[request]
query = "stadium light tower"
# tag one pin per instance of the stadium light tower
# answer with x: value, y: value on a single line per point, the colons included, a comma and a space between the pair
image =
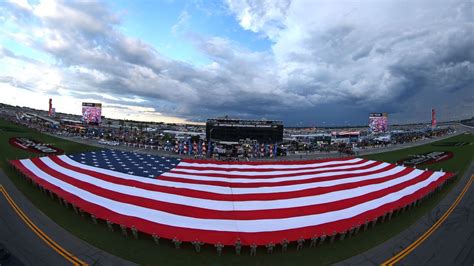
x: 50, y: 110
x: 433, y: 118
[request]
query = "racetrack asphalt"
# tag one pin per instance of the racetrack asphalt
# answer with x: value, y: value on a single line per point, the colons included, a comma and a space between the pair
x: 451, y: 244
x: 28, y: 248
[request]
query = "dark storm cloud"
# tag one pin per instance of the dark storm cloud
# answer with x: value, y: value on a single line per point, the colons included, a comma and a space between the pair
x: 404, y: 71
x: 341, y: 68
x: 83, y: 38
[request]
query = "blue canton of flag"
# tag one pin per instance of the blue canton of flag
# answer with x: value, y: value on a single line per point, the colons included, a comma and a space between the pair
x: 145, y: 165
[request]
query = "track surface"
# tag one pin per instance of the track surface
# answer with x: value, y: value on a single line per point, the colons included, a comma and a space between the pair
x: 451, y: 244
x: 29, y: 249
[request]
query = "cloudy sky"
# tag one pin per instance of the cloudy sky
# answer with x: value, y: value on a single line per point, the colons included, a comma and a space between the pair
x: 307, y: 62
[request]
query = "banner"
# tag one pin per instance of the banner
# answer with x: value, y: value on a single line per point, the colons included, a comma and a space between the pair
x: 34, y: 146
x: 427, y: 158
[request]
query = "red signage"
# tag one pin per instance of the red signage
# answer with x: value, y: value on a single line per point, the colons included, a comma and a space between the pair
x: 34, y: 146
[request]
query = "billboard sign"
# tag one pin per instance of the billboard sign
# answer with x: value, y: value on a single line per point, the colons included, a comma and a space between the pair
x: 92, y: 113
x: 378, y: 122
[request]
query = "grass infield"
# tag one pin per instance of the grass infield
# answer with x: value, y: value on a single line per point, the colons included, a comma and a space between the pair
x: 145, y: 251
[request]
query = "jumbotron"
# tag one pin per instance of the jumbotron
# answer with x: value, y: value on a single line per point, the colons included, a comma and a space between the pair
x: 235, y: 130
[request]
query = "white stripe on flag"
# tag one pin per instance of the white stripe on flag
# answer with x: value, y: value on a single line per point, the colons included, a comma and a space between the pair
x: 261, y: 225
x: 275, y: 179
x: 252, y: 190
x: 275, y: 172
x: 296, y: 165
x: 233, y: 205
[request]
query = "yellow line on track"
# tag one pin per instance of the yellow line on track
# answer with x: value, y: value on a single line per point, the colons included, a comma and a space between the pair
x: 402, y: 254
x: 70, y: 257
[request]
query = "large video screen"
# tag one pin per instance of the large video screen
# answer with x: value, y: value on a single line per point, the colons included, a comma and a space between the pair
x: 378, y: 122
x: 92, y: 113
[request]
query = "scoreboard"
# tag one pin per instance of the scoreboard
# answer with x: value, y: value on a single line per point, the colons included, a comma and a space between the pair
x: 378, y: 122
x: 92, y: 113
x: 263, y: 131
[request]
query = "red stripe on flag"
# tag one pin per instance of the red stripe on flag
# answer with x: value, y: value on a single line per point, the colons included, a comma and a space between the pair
x: 191, y: 211
x: 327, y: 169
x: 229, y: 238
x: 253, y: 169
x: 273, y: 184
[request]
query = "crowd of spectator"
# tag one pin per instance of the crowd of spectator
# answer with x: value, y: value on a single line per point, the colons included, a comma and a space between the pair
x: 195, y: 146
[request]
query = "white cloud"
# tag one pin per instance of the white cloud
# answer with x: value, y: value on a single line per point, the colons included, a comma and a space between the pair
x: 182, y: 24
x: 333, y: 51
x: 328, y: 59
x: 22, y: 4
x: 266, y: 16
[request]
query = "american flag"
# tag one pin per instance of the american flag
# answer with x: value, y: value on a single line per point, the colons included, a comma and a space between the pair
x: 213, y: 201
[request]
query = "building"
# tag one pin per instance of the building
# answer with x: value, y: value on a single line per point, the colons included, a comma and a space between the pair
x: 345, y: 136
x: 235, y: 130
x: 47, y: 121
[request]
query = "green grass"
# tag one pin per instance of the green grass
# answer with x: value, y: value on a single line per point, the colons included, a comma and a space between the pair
x: 144, y: 251
x: 463, y: 155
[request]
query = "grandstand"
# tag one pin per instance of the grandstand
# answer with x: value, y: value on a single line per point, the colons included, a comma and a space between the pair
x: 217, y: 204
